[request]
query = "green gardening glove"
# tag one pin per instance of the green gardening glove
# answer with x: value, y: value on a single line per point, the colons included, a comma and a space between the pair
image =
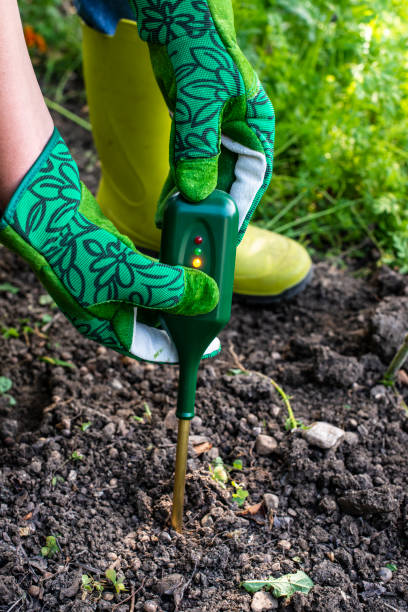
x: 216, y: 99
x: 94, y: 273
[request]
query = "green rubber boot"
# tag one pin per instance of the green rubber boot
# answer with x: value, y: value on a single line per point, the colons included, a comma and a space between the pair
x: 131, y: 128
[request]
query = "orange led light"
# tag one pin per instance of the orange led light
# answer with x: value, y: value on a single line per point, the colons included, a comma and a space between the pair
x: 197, y: 262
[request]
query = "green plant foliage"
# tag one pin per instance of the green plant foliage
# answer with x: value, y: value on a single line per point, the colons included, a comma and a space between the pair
x: 218, y: 471
x: 57, y: 362
x: 115, y: 580
x: 5, y: 384
x: 89, y: 585
x: 8, y: 287
x: 76, y: 456
x: 51, y: 547
x: 284, y: 586
x: 337, y: 76
x: 240, y: 494
x: 57, y: 479
x: 45, y: 299
x: 9, y: 332
x: 57, y: 23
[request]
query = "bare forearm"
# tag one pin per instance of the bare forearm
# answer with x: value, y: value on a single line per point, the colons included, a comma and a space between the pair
x: 25, y: 123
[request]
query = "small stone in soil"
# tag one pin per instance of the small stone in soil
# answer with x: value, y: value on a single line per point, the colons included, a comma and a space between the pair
x: 351, y: 438
x: 168, y: 584
x: 271, y: 501
x: 378, y: 393
x: 384, y: 574
x: 261, y: 602
x: 8, y: 428
x: 284, y: 544
x: 165, y: 537
x: 323, y: 435
x: 150, y: 606
x: 34, y: 590
x: 195, y: 439
x: 265, y: 445
x: 378, y: 500
x: 109, y: 430
x: 213, y: 453
x: 170, y: 420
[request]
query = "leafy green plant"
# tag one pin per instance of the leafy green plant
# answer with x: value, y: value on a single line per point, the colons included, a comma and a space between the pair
x: 9, y: 332
x: 391, y: 566
x: 341, y: 161
x: 76, y: 456
x: 147, y: 412
x: 89, y: 585
x: 51, y: 547
x: 147, y: 415
x: 240, y: 493
x: 291, y: 422
x: 46, y: 318
x: 115, y: 580
x: 8, y: 287
x: 220, y: 473
x: 56, y: 479
x: 57, y: 362
x: 285, y: 586
x: 46, y: 300
x: 85, y: 426
x: 396, y: 364
x: 5, y: 385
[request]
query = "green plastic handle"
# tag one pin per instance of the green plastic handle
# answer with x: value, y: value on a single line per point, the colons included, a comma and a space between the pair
x: 205, y: 231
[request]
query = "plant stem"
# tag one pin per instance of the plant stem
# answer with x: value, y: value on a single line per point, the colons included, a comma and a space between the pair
x: 83, y: 123
x: 396, y: 363
x: 292, y: 421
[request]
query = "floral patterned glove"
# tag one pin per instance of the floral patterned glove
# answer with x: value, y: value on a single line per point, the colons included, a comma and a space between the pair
x: 215, y: 96
x: 94, y: 273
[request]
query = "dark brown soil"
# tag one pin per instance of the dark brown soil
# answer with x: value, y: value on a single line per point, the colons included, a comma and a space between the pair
x: 342, y: 513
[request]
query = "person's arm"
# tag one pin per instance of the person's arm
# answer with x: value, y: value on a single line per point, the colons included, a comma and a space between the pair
x: 95, y: 274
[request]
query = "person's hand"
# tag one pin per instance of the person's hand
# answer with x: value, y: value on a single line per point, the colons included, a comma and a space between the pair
x: 105, y: 287
x: 215, y: 96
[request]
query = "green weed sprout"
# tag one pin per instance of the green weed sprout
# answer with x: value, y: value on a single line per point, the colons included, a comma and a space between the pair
x: 240, y: 494
x: 147, y: 415
x: 396, y: 364
x: 89, y: 585
x: 5, y: 385
x: 291, y: 422
x: 220, y: 473
x: 51, y: 547
x: 76, y: 456
x: 284, y: 586
x: 117, y: 582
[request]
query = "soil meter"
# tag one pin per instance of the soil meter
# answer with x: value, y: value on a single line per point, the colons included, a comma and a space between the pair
x: 202, y: 235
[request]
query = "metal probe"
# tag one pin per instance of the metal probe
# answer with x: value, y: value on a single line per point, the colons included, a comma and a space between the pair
x: 180, y: 475
x: 202, y: 236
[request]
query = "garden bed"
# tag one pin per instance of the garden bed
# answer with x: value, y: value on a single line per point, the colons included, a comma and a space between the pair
x: 76, y: 464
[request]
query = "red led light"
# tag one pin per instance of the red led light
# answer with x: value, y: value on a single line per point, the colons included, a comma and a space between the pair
x: 198, y: 239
